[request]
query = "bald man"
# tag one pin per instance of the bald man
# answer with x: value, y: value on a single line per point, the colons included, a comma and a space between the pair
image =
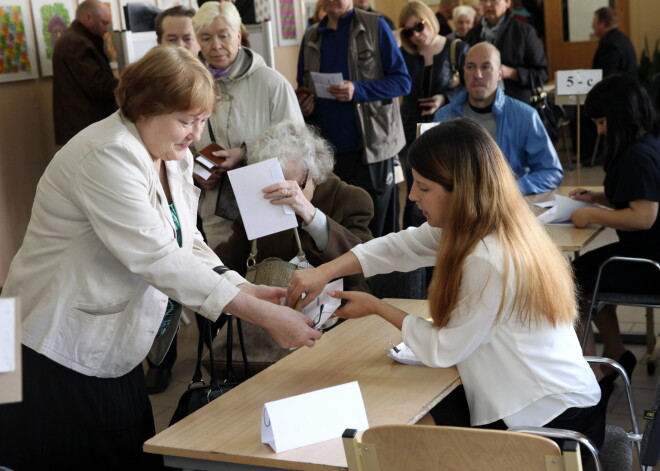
x: 515, y: 126
x: 83, y: 82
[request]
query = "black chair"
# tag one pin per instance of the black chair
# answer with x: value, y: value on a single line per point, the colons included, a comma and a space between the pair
x: 648, y: 301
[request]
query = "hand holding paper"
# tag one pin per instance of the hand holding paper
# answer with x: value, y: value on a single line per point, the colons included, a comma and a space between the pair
x: 560, y: 214
x: 323, y: 81
x: 324, y: 305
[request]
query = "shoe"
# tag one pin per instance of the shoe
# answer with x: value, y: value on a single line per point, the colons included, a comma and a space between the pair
x: 157, y: 380
x: 628, y: 361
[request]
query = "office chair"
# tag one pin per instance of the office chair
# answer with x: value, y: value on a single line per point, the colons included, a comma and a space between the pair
x: 429, y: 447
x: 649, y: 301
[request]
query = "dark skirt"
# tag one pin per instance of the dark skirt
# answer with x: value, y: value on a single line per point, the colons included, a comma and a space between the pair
x: 617, y: 276
x: 71, y: 421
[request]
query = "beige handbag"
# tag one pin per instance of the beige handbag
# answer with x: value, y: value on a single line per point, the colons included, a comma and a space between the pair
x: 272, y: 271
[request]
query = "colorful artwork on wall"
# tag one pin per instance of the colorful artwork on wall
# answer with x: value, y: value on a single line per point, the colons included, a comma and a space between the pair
x: 17, y: 48
x: 51, y: 18
x: 288, y: 15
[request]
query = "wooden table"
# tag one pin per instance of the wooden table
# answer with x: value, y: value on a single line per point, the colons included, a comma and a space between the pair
x: 567, y: 238
x: 226, y: 434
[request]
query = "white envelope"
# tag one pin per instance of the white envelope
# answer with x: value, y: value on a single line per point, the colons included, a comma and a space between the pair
x: 260, y: 217
x: 313, y: 417
x: 324, y: 305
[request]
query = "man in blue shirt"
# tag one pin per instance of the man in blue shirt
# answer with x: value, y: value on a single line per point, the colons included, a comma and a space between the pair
x: 362, y: 120
x: 515, y: 126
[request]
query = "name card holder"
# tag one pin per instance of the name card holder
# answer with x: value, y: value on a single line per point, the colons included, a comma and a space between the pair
x: 313, y: 417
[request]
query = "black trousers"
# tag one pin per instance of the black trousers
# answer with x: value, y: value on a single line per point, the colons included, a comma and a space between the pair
x: 378, y: 180
x: 453, y: 411
x: 71, y: 421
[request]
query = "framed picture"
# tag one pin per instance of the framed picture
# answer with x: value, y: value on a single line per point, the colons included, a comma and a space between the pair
x: 51, y: 19
x: 18, y: 58
x: 115, y: 25
x: 263, y: 10
x: 288, y: 22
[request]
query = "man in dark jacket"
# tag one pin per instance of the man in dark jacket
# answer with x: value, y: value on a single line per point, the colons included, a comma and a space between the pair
x: 83, y: 82
x: 615, y: 53
x: 523, y: 58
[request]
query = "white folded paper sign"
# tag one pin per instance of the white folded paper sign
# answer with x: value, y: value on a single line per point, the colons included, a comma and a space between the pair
x: 260, y: 217
x: 313, y: 417
x: 560, y: 214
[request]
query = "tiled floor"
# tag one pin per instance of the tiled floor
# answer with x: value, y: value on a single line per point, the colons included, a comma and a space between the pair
x: 632, y: 320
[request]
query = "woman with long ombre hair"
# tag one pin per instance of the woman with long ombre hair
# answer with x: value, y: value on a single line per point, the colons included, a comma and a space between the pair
x: 502, y: 298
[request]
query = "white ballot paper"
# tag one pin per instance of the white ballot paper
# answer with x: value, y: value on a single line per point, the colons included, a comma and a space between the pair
x: 403, y: 354
x: 324, y: 305
x: 313, y: 417
x: 560, y: 214
x: 323, y: 81
x: 260, y: 217
x: 7, y: 335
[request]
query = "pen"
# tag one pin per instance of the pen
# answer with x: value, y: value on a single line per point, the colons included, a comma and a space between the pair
x: 583, y: 192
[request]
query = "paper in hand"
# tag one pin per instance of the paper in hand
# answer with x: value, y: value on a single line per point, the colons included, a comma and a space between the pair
x: 324, y: 305
x: 560, y: 214
x: 260, y: 217
x: 323, y: 81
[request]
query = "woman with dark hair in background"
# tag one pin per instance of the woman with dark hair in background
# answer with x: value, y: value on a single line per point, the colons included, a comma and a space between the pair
x: 624, y: 114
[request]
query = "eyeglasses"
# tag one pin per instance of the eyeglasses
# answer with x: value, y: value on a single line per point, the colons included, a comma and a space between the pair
x: 408, y: 32
x: 304, y: 181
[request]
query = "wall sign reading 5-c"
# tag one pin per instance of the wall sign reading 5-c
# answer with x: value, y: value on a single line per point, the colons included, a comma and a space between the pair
x: 577, y: 82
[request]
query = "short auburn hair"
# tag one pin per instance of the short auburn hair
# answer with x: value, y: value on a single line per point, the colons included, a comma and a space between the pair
x: 165, y: 80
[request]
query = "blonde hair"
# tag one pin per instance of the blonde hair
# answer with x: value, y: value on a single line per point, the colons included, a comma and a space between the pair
x: 165, y: 80
x: 424, y: 13
x: 485, y: 200
x: 209, y: 11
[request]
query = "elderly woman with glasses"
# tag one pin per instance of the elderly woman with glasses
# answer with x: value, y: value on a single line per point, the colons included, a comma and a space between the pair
x: 428, y: 57
x: 252, y: 98
x: 111, y: 254
x: 333, y: 216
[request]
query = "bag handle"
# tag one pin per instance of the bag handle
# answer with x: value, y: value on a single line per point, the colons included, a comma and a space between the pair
x: 252, y: 258
x: 452, y: 54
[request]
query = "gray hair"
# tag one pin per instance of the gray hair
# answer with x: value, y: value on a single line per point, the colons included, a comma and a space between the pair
x: 464, y: 10
x: 294, y: 145
x: 209, y: 11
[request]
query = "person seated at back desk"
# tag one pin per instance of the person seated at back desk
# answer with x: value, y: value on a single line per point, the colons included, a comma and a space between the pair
x: 334, y: 216
x: 515, y: 126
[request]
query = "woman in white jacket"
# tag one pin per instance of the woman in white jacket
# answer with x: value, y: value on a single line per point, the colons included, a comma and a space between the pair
x: 502, y: 296
x: 111, y: 248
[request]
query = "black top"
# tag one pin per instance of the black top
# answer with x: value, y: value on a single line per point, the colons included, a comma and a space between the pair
x: 615, y: 53
x: 636, y: 175
x: 445, y: 29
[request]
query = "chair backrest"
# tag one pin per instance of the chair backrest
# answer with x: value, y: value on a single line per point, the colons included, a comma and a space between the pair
x: 424, y: 447
x: 651, y: 439
x: 404, y: 285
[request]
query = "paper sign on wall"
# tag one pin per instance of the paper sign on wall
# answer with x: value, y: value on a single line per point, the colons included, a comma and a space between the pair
x: 7, y: 335
x: 313, y: 417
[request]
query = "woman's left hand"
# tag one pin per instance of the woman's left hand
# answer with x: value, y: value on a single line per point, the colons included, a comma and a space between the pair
x: 231, y: 158
x: 272, y: 294
x: 289, y: 192
x: 359, y: 304
x: 582, y: 217
x: 431, y: 104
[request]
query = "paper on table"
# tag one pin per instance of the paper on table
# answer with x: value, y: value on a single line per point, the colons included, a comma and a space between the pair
x: 323, y: 81
x: 561, y: 213
x: 313, y: 417
x: 404, y: 355
x: 7, y: 335
x: 324, y: 305
x: 260, y: 217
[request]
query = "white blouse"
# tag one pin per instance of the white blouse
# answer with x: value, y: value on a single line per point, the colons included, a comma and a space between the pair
x: 525, y: 375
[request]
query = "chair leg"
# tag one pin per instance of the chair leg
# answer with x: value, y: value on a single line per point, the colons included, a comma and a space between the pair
x: 651, y: 342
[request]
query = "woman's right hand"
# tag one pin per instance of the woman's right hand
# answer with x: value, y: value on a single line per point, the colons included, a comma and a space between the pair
x: 305, y: 100
x: 581, y: 194
x: 291, y: 328
x: 310, y: 282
